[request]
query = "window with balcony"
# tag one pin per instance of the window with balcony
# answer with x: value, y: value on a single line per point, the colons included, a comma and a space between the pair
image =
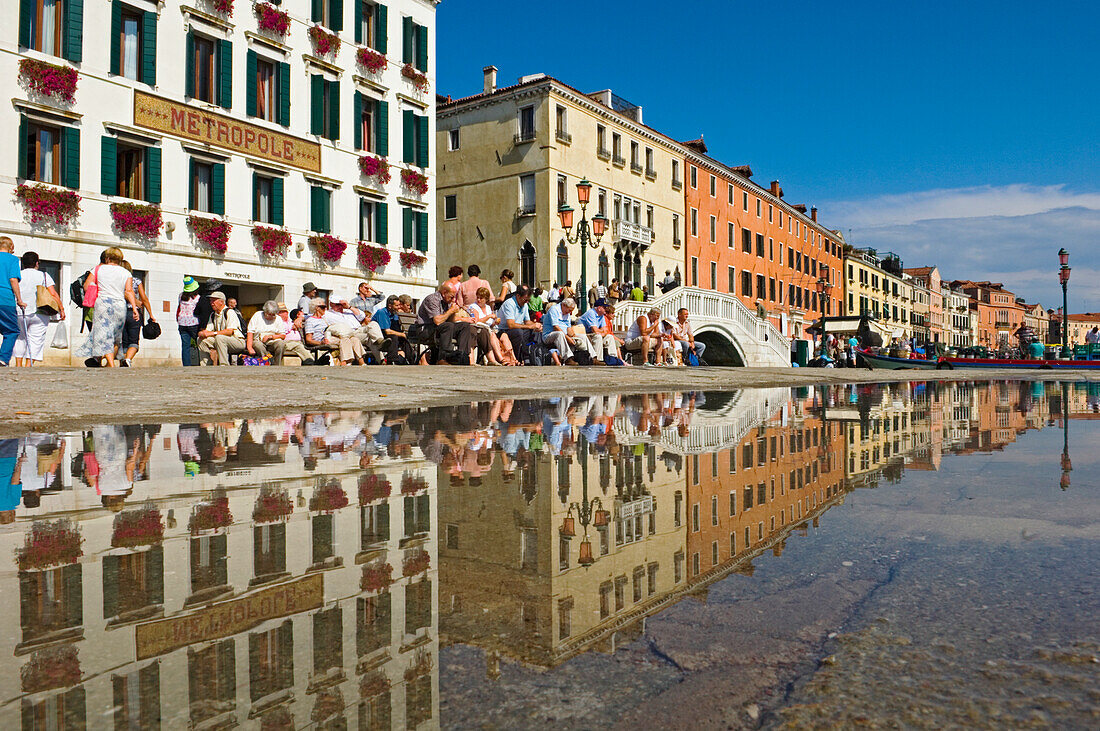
x: 650, y: 171
x: 526, y: 121
x: 635, y: 163
x: 676, y: 182
x: 601, y: 143
x: 617, y: 149
x: 527, y: 195
x: 561, y: 125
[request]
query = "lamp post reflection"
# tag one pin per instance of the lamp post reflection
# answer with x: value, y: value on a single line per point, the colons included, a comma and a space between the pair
x: 1067, y: 465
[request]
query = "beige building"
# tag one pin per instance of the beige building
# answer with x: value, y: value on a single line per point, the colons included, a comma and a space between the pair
x: 1080, y: 325
x: 874, y: 284
x: 510, y: 157
x: 1038, y: 319
x: 960, y: 321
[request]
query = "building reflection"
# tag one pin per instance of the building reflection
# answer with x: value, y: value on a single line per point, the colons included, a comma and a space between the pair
x: 304, y: 570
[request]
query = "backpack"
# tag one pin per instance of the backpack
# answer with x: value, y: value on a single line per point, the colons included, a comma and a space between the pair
x: 692, y: 359
x: 582, y: 358
x: 612, y: 360
x: 535, y: 354
x: 76, y: 289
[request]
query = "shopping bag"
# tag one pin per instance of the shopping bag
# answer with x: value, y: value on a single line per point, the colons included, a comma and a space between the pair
x: 60, y: 337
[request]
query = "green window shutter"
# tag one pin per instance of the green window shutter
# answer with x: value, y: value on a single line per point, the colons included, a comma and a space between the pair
x: 357, y: 19
x: 116, y: 40
x: 154, y: 574
x: 334, y: 110
x: 381, y: 223
x: 336, y: 9
x: 26, y: 11
x: 422, y: 142
x: 149, y: 49
x: 217, y: 189
x: 422, y: 231
x: 284, y: 94
x: 71, y: 575
x: 189, y: 65
x: 152, y: 174
x: 317, y: 16
x: 24, y: 132
x: 406, y: 227
x: 250, y: 83
x: 422, y: 48
x: 408, y: 133
x: 318, y: 212
x: 225, y: 74
x: 381, y: 29
x: 326, y: 210
x: 110, y: 586
x: 74, y: 30
x: 191, y: 183
x: 407, y: 40
x: 382, y: 128
x: 255, y: 197
x: 108, y: 166
x: 357, y: 116
x: 70, y: 157
x: 317, y: 104
x: 277, y: 201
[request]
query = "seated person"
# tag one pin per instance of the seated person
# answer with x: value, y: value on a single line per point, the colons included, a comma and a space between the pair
x: 267, y: 336
x: 556, y: 333
x: 385, y: 329
x: 515, y: 319
x: 336, y: 335
x: 444, y: 326
x: 483, y: 317
x: 645, y: 335
x: 222, y: 335
x: 684, y: 336
x: 339, y: 312
x: 597, y: 323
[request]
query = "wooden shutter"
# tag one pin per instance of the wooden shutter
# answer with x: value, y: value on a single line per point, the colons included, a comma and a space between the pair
x: 316, y: 216
x: 191, y: 183
x: 382, y: 128
x: 152, y: 174
x: 333, y: 110
x: 116, y: 37
x: 24, y: 132
x: 381, y: 224
x: 284, y: 94
x: 407, y: 40
x: 70, y: 157
x: 74, y: 30
x: 406, y: 227
x: 336, y: 11
x: 277, y: 201
x: 255, y: 196
x: 409, y: 514
x: 408, y: 132
x: 110, y: 586
x: 422, y: 48
x: 357, y: 116
x: 71, y: 576
x: 154, y: 574
x: 217, y: 189
x: 422, y: 231
x: 108, y: 166
x: 189, y: 65
x: 422, y: 142
x: 149, y: 48
x: 26, y: 11
x: 381, y: 29
x: 357, y: 20
x: 226, y: 682
x: 250, y: 83
x: 318, y: 9
x: 225, y: 74
x: 317, y: 104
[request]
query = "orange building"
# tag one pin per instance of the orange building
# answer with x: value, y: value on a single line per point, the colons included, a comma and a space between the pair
x: 746, y: 240
x: 929, y: 278
x: 999, y: 312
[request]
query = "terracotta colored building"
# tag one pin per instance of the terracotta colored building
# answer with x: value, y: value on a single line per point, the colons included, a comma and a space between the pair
x: 999, y: 313
x: 929, y: 277
x: 744, y: 239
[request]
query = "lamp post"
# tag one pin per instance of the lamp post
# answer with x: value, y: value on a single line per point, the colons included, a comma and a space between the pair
x: 588, y: 234
x: 1067, y: 465
x: 1063, y: 278
x: 824, y: 287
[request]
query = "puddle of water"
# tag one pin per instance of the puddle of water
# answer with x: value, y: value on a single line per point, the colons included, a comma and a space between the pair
x: 919, y: 554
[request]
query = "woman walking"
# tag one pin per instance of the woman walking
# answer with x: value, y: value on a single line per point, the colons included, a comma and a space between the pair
x: 115, y: 288
x: 187, y: 318
x: 131, y: 331
x: 31, y: 345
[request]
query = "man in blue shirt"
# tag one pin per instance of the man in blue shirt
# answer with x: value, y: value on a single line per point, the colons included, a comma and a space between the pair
x: 11, y: 484
x: 555, y: 330
x: 598, y: 326
x: 515, y: 321
x: 11, y: 303
x: 386, y: 324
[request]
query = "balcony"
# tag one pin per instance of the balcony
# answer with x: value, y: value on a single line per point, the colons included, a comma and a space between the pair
x: 563, y: 137
x: 623, y: 230
x: 525, y: 210
x: 635, y: 168
x: 524, y: 137
x: 618, y: 161
x: 677, y: 184
x: 651, y: 173
x: 603, y: 153
x: 1001, y: 324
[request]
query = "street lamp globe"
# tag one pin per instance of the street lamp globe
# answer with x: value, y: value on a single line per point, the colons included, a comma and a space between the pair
x: 584, y: 191
x: 599, y: 225
x: 566, y: 213
x: 1063, y: 257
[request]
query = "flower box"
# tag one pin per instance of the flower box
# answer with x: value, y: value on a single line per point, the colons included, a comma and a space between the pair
x: 212, y: 233
x: 415, y: 181
x: 137, y: 218
x: 373, y: 487
x: 324, y: 43
x: 135, y: 528
x: 210, y: 516
x: 375, y: 167
x: 328, y: 703
x: 372, y: 258
x: 54, y: 667
x: 372, y: 61
x: 420, y: 666
x: 417, y: 563
x: 272, y: 20
x: 272, y: 241
x: 50, y: 543
x: 328, y: 498
x: 50, y: 205
x: 49, y: 79
x: 272, y: 504
x: 418, y: 79
x: 411, y: 260
x: 225, y: 7
x: 373, y: 684
x: 328, y: 248
x: 376, y: 576
x: 278, y: 718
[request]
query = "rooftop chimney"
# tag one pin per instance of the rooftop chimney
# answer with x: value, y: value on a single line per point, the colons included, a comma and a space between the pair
x: 490, y: 79
x: 813, y: 213
x: 776, y: 190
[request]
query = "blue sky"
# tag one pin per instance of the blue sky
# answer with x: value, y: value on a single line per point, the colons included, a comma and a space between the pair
x: 962, y: 134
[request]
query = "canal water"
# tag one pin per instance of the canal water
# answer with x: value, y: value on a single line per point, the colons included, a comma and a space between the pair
x: 916, y: 555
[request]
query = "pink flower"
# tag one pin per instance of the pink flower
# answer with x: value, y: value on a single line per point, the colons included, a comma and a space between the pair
x: 137, y: 218
x: 48, y: 79
x: 329, y: 248
x: 414, y: 181
x: 410, y: 260
x: 272, y: 241
x: 225, y: 7
x: 271, y: 19
x: 211, y: 232
x: 419, y: 80
x: 372, y: 258
x: 324, y: 43
x: 43, y: 203
x: 375, y: 167
x: 371, y: 60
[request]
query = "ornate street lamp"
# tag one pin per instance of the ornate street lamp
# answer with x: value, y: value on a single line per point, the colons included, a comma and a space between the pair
x: 588, y: 234
x: 824, y: 287
x: 1067, y: 464
x: 1063, y: 278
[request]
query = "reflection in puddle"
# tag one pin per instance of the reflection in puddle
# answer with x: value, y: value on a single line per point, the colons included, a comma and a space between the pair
x: 305, y: 570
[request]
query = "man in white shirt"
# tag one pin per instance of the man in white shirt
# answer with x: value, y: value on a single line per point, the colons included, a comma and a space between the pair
x: 267, y: 336
x: 222, y: 334
x: 684, y: 336
x: 338, y: 311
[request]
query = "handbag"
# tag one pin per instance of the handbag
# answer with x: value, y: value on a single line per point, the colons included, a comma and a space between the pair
x: 45, y: 301
x: 692, y: 359
x: 150, y: 330
x: 91, y: 291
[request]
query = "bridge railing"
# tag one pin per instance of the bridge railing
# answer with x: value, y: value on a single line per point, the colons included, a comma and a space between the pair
x: 706, y: 306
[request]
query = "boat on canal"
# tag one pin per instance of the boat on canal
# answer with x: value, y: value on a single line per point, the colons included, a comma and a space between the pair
x: 889, y: 363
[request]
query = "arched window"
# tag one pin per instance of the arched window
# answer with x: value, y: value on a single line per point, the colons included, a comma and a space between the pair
x: 563, y: 263
x: 636, y: 276
x: 527, y: 264
x: 618, y: 264
x: 650, y: 278
x: 603, y: 273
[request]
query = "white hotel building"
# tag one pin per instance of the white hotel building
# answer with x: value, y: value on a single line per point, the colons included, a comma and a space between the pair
x: 197, y: 110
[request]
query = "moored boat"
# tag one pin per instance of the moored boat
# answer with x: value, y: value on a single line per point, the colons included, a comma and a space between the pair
x: 1019, y: 364
x: 888, y: 363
